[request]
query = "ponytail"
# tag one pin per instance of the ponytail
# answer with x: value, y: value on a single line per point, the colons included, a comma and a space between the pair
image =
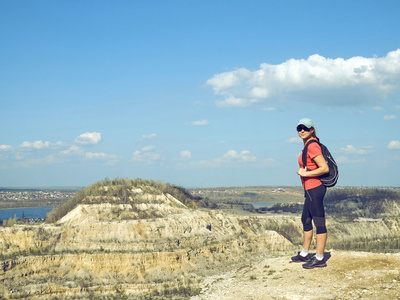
x: 314, y: 134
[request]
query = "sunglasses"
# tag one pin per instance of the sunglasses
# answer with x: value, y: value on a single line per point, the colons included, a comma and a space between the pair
x: 302, y: 127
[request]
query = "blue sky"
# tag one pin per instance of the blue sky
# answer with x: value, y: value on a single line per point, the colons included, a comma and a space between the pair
x: 197, y: 93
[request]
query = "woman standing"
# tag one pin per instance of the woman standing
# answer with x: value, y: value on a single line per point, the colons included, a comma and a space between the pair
x: 314, y: 191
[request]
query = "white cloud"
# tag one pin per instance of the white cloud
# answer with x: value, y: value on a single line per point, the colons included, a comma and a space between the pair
x: 149, y: 136
x: 36, y: 145
x: 394, y: 145
x: 139, y: 156
x: 244, y: 155
x: 148, y: 148
x: 389, y: 117
x: 200, y: 123
x: 73, y: 150
x: 231, y: 154
x: 346, y: 160
x: 236, y: 102
x: 111, y: 159
x: 234, y: 158
x: 317, y: 79
x: 89, y: 138
x: 98, y: 155
x: 5, y: 147
x: 349, y: 149
x: 48, y: 160
x: 378, y: 108
x: 186, y: 154
x: 294, y: 140
x: 269, y: 108
x: 30, y: 154
x: 146, y: 155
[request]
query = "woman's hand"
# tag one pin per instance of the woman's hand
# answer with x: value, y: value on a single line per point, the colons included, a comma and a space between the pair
x: 302, y: 172
x: 322, y: 168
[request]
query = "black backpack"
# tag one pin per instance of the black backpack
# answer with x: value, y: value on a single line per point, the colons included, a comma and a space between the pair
x: 329, y: 179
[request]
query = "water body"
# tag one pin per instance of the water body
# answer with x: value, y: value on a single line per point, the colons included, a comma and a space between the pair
x: 261, y: 204
x: 29, y: 213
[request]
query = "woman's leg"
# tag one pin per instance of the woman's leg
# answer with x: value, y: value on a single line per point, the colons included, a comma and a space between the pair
x: 307, y: 238
x: 321, y: 242
x: 318, y: 214
x: 306, y: 219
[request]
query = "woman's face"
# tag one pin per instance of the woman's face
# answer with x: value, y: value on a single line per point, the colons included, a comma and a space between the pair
x: 304, y: 132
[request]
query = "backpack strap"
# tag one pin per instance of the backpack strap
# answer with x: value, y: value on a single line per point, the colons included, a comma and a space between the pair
x: 304, y: 153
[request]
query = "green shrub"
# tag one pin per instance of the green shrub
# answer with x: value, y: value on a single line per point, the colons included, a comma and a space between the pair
x: 10, y: 222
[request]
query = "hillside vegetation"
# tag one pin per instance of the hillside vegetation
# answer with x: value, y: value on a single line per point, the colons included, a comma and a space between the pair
x: 369, y: 202
x: 348, y: 210
x: 121, y: 191
x: 351, y: 202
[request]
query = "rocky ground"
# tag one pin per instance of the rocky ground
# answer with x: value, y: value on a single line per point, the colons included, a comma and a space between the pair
x: 136, y: 240
x: 349, y: 275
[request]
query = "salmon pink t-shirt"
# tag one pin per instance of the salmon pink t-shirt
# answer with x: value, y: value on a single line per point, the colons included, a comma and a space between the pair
x: 313, y: 151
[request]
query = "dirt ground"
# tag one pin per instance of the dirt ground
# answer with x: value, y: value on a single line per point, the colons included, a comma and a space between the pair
x: 349, y: 275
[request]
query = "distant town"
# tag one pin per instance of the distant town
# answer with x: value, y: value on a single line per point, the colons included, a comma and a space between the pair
x: 32, y: 198
x: 19, y: 198
x: 33, y: 195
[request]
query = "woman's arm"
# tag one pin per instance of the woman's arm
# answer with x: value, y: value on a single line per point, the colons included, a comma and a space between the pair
x: 321, y: 170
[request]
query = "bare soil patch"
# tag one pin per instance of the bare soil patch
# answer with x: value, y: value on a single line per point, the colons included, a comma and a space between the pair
x: 349, y: 275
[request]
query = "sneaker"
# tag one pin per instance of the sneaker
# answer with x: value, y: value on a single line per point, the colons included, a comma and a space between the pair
x: 314, y: 263
x: 299, y: 258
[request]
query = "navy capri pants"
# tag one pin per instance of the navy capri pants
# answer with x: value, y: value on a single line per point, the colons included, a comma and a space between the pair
x: 313, y: 209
